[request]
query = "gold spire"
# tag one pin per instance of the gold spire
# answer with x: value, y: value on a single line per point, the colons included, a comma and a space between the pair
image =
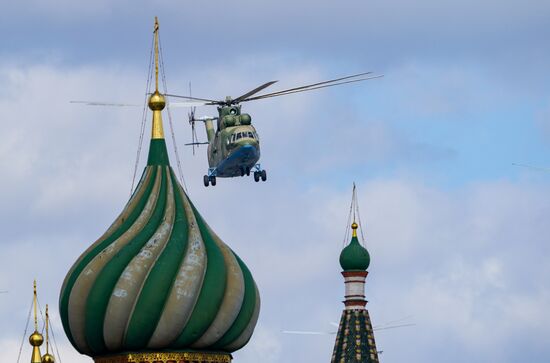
x: 354, y: 229
x: 156, y: 32
x: 36, y: 338
x: 354, y: 207
x: 34, y: 298
x: 157, y: 101
x: 48, y: 358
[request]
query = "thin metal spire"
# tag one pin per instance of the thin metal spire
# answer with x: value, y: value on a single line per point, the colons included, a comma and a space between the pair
x: 156, y: 32
x: 34, y: 307
x: 47, y: 331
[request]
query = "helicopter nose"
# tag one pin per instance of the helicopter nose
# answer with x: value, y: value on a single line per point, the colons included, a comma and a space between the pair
x: 248, y: 151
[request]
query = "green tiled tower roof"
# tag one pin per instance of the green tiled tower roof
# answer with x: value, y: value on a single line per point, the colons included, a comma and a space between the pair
x: 159, y: 280
x: 355, y: 339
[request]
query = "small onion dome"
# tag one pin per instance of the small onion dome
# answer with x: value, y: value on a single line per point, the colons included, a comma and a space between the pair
x: 157, y: 102
x: 48, y: 358
x: 354, y: 256
x: 36, y: 339
x: 159, y: 279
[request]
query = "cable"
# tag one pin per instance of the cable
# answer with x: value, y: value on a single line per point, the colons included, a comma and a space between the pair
x: 163, y: 75
x: 360, y: 225
x: 42, y: 316
x: 143, y: 116
x: 51, y: 328
x: 55, y: 343
x: 348, y: 224
x: 354, y: 209
x: 25, y: 333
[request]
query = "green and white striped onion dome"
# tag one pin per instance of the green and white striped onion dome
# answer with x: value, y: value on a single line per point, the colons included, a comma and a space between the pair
x: 159, y: 279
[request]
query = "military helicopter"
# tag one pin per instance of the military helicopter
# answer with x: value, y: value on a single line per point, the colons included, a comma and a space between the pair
x: 234, y: 144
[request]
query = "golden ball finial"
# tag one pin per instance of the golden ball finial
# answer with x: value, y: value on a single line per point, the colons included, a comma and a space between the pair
x: 354, y: 225
x: 157, y: 102
x: 48, y: 358
x: 36, y: 339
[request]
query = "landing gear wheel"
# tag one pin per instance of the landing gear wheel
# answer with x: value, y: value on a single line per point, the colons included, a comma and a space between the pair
x: 256, y: 176
x: 247, y: 171
x: 242, y: 172
x: 213, y: 181
x: 206, y: 180
x: 263, y: 174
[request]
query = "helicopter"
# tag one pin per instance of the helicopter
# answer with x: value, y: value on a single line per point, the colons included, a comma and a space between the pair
x: 234, y: 144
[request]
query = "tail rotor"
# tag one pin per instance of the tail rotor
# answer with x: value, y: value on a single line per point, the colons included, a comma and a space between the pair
x: 191, y: 115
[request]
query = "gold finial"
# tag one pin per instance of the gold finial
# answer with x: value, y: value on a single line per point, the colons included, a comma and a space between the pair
x: 48, y: 358
x: 47, y: 330
x: 157, y: 101
x: 36, y: 338
x: 34, y: 305
x: 354, y: 227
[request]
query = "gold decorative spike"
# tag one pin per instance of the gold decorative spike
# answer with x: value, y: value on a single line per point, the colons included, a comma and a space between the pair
x: 34, y: 305
x: 157, y: 101
x: 47, y: 330
x: 48, y: 358
x: 156, y: 32
x: 36, y: 338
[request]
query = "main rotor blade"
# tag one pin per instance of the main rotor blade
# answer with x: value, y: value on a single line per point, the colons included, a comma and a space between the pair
x: 307, y: 332
x: 314, y: 85
x: 531, y: 167
x: 253, y: 92
x: 212, y: 102
x: 187, y: 104
x: 93, y: 103
x: 276, y: 94
x: 393, y: 326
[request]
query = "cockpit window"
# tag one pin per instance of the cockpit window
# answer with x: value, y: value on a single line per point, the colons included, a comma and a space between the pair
x: 242, y: 135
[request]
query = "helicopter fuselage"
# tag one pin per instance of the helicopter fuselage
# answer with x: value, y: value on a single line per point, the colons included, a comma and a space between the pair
x: 234, y: 146
x: 233, y: 151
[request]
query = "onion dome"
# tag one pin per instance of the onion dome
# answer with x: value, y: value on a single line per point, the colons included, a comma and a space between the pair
x: 354, y: 256
x: 159, y: 279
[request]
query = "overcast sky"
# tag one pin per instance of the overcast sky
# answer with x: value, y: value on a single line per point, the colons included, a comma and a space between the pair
x: 458, y: 235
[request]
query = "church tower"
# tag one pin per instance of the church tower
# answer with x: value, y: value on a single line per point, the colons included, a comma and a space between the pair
x: 355, y: 338
x: 159, y: 286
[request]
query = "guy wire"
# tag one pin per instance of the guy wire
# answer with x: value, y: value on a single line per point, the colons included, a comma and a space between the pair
x: 143, y: 116
x: 163, y: 74
x: 25, y: 332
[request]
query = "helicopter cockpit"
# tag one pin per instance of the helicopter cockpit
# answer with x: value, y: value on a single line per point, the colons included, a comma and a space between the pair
x: 242, y: 135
